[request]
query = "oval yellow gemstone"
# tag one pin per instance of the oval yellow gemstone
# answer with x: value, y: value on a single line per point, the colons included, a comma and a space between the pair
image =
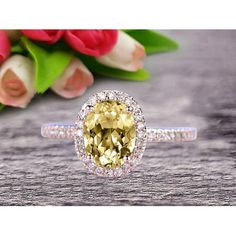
x: 109, y: 133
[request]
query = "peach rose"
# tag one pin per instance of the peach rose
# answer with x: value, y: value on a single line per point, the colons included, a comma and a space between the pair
x: 127, y: 54
x: 16, y: 81
x: 74, y: 81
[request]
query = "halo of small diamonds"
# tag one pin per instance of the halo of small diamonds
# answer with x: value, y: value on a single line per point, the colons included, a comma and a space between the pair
x: 140, y: 143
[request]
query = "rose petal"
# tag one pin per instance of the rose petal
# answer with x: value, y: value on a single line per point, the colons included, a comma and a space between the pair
x: 49, y: 36
x: 74, y: 81
x: 91, y: 42
x: 5, y: 46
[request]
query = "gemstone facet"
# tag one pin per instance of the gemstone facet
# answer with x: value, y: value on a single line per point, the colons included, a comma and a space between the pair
x: 109, y: 133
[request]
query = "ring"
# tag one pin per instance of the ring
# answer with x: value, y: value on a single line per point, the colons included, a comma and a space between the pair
x: 110, y: 133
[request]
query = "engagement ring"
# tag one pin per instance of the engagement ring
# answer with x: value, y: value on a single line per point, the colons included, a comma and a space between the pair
x: 110, y: 133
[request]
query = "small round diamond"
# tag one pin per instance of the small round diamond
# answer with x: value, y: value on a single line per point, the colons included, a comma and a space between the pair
x: 92, y: 101
x: 79, y: 132
x: 110, y: 173
x: 79, y: 124
x: 110, y: 95
x: 117, y: 172
x: 91, y: 166
x: 99, y: 171
x: 101, y: 96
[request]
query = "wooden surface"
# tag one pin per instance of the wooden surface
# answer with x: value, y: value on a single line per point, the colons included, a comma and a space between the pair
x: 195, y: 85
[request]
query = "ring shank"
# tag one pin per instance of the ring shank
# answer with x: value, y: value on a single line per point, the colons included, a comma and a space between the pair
x: 175, y: 134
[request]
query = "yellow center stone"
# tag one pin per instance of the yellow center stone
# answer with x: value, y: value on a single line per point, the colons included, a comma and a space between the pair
x: 109, y: 133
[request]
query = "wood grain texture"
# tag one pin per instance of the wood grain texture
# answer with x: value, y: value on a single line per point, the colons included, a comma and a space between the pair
x: 195, y: 86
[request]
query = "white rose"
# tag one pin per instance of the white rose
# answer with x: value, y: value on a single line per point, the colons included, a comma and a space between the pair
x: 74, y: 81
x: 16, y: 81
x: 127, y: 54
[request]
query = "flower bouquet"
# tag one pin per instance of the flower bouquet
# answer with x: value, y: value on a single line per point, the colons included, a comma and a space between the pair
x: 65, y: 61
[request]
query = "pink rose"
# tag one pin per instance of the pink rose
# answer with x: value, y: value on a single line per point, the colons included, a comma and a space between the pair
x: 5, y: 46
x: 74, y: 81
x: 127, y: 54
x: 16, y: 81
x: 48, y: 36
x: 91, y: 42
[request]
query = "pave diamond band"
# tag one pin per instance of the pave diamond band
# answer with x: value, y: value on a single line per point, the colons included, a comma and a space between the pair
x: 110, y: 133
x: 173, y: 134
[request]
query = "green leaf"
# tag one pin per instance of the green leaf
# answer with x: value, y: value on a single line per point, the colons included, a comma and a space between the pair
x: 17, y: 49
x: 97, y: 68
x: 1, y: 106
x: 152, y: 41
x: 49, y: 65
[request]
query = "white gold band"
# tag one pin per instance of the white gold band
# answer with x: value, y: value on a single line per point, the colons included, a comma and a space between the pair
x: 175, y: 134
